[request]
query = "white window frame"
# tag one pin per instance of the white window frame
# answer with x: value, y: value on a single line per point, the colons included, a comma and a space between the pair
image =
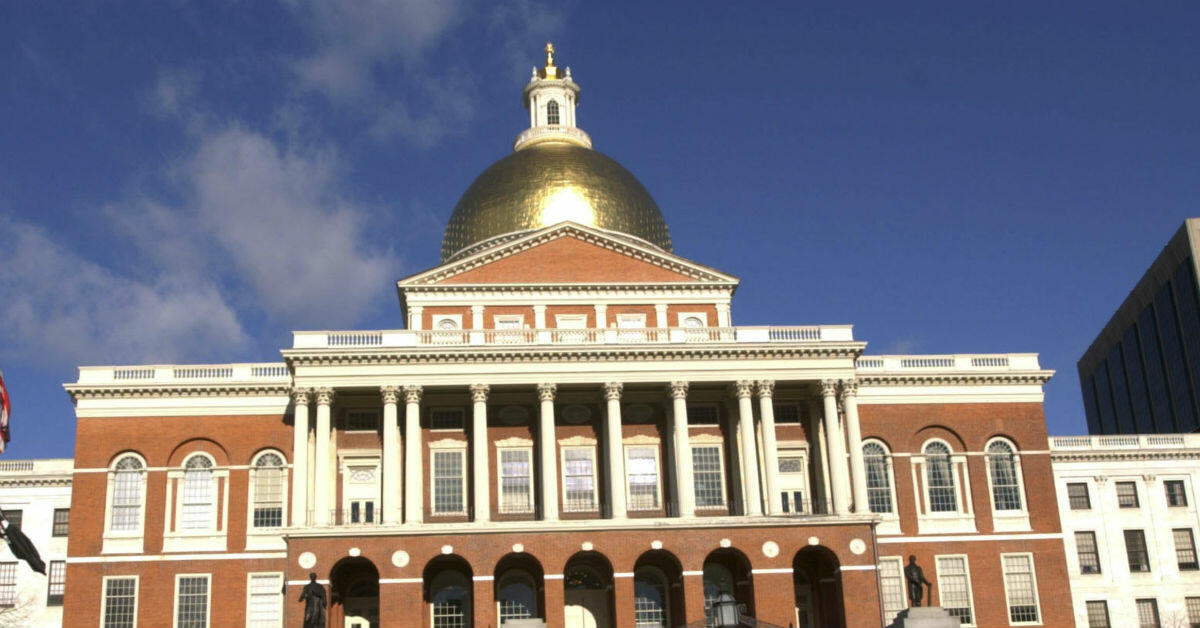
x: 462, y: 418
x: 211, y: 538
x: 1037, y: 599
x: 437, y: 319
x: 104, y: 596
x: 631, y: 444
x: 208, y: 618
x: 637, y: 319
x: 498, y: 319
x: 570, y: 319
x: 250, y: 592
x: 348, y: 460
x: 1007, y: 520
x: 680, y: 317
x: 562, y: 453
x: 719, y: 446
x: 886, y: 563
x: 786, y: 482
x: 890, y: 523
x: 961, y: 520
x: 970, y: 589
x: 124, y: 541
x: 447, y: 446
x: 252, y: 490
x: 528, y: 451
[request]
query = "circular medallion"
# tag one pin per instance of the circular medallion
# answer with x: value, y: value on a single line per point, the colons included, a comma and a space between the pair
x: 858, y: 546
x: 587, y: 546
x: 770, y: 549
x: 726, y: 543
x: 812, y: 540
x: 447, y: 549
x: 655, y: 544
x: 307, y: 560
x: 518, y: 548
x: 400, y: 558
x: 354, y: 551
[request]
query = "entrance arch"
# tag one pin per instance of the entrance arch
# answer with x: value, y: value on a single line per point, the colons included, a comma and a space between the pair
x: 817, y: 582
x: 520, y: 593
x: 588, y: 591
x: 728, y: 571
x: 658, y: 590
x: 354, y: 585
x: 449, y: 592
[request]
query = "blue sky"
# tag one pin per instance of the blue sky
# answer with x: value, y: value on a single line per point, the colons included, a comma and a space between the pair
x: 190, y: 181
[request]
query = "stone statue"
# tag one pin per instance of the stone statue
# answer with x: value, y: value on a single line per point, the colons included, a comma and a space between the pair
x: 915, y: 578
x: 313, y: 596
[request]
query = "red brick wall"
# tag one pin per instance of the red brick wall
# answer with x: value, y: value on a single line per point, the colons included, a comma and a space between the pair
x: 566, y: 260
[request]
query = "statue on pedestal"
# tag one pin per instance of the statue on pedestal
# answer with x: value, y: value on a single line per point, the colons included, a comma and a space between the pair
x: 313, y: 596
x: 915, y: 577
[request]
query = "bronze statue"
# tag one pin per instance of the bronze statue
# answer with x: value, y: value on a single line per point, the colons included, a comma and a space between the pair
x: 915, y: 577
x: 313, y: 596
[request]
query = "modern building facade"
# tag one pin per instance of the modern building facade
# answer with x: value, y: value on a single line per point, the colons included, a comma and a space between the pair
x: 570, y: 427
x: 1130, y: 525
x: 36, y: 496
x: 1141, y: 375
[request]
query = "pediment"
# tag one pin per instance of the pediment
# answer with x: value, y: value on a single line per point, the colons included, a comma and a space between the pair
x: 568, y: 253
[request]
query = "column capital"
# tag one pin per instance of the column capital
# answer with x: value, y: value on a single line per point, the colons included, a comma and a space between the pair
x: 324, y: 396
x: 390, y: 394
x: 766, y: 388
x: 301, y: 396
x: 479, y: 392
x: 547, y: 391
x: 849, y: 389
x: 477, y: 309
x: 829, y: 387
x: 743, y: 389
x: 678, y: 389
x: 412, y: 394
x: 539, y: 307
x: 613, y: 390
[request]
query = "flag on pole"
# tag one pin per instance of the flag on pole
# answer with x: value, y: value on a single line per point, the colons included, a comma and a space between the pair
x: 20, y: 545
x: 4, y: 411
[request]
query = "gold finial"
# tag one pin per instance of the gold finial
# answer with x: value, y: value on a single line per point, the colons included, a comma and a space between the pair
x: 551, y: 71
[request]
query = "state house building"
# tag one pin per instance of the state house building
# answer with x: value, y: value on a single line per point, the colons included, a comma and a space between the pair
x: 569, y: 428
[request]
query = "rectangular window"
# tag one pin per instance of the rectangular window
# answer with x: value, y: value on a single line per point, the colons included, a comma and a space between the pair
x: 191, y: 602
x: 448, y: 482
x: 198, y: 501
x: 892, y: 587
x: 268, y: 496
x: 1089, y: 555
x: 791, y: 464
x: 703, y: 414
x: 579, y: 479
x: 954, y: 585
x: 8, y: 583
x: 708, y: 477
x: 56, y: 578
x: 127, y: 501
x: 516, y: 486
x: 362, y: 420
x: 787, y: 413
x: 1193, y: 611
x: 14, y: 518
x: 1020, y: 588
x: 1127, y: 496
x: 1147, y: 611
x: 62, y: 517
x: 1185, y: 549
x: 1077, y: 496
x: 1097, y: 614
x: 1135, y: 550
x: 446, y: 419
x: 1176, y: 495
x: 641, y: 467
x: 120, y: 602
x: 264, y: 601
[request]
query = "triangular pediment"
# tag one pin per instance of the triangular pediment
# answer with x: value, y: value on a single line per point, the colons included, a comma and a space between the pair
x: 569, y: 253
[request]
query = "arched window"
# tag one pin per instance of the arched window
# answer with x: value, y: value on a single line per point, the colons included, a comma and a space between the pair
x: 516, y: 597
x: 129, y: 476
x: 582, y: 578
x: 717, y: 580
x: 267, y: 488
x: 879, y: 478
x: 198, y: 505
x: 939, y: 477
x: 552, y: 112
x: 1002, y: 471
x: 451, y: 600
x: 649, y: 598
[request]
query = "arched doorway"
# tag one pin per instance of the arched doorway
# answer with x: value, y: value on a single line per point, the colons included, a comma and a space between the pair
x: 818, y: 589
x: 520, y: 593
x: 588, y: 591
x: 728, y: 571
x: 354, y: 584
x: 658, y: 590
x: 448, y: 592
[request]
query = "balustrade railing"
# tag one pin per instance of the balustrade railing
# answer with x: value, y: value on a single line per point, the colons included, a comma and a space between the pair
x: 1125, y: 441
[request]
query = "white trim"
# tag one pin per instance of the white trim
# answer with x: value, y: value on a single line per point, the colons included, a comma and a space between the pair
x: 386, y: 581
x: 483, y: 578
x: 207, y: 598
x: 300, y: 583
x: 459, y: 447
x: 250, y: 578
x: 435, y: 320
x: 953, y: 538
x: 623, y: 574
x: 680, y: 316
x: 857, y: 568
x: 73, y: 560
x: 640, y: 440
x: 104, y: 595
x: 772, y: 570
x: 497, y: 319
x: 690, y: 573
x: 658, y: 478
x: 527, y: 447
x: 1037, y: 599
x: 721, y: 462
x: 562, y: 454
x: 251, y: 491
x: 553, y: 576
x: 966, y: 563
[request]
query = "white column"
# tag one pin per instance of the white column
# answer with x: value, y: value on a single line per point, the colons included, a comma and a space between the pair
x: 601, y: 316
x: 766, y: 413
x: 539, y: 317
x: 479, y: 453
x: 300, y: 477
x: 322, y: 470
x: 391, y: 457
x: 477, y: 317
x: 836, y: 449
x: 723, y: 317
x: 858, y: 467
x: 615, y: 448
x: 413, y: 488
x: 415, y: 316
x: 660, y: 315
x: 548, y: 446
x: 685, y: 487
x: 822, y: 495
x: 753, y: 492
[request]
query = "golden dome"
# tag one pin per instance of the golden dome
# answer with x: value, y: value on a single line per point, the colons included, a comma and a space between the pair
x: 548, y: 183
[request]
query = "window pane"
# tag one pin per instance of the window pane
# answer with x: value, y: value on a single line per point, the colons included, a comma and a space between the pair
x: 1097, y: 612
x: 127, y: 495
x: 1193, y: 611
x: 1127, y: 496
x: 1002, y: 467
x: 649, y: 600
x: 706, y: 474
x: 517, y: 600
x: 268, y: 491
x: 1089, y: 556
x: 552, y: 112
x: 8, y: 583
x: 446, y: 419
x: 642, y: 469
x: 515, y: 484
x: 1176, y: 495
x: 120, y: 598
x: 198, y: 503
x: 1135, y: 550
x: 266, y: 601
x: 1077, y: 495
x: 1020, y: 588
x: 954, y: 586
x: 447, y: 482
x: 579, y: 479
x: 191, y: 598
x: 1185, y: 549
x: 892, y: 587
x: 939, y: 477
x: 57, y: 582
x: 62, y: 517
x: 1147, y: 611
x: 879, y: 483
x: 702, y: 415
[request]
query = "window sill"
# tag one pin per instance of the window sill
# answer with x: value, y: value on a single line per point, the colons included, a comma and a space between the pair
x: 194, y: 542
x: 265, y: 540
x: 942, y: 524
x: 122, y: 545
x: 1015, y: 521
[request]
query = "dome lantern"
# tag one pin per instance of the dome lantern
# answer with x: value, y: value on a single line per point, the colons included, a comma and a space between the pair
x: 551, y: 97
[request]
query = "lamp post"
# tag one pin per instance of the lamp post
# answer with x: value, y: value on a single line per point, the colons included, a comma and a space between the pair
x: 726, y: 611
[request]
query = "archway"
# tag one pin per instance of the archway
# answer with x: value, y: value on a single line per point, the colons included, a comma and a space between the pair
x: 354, y: 585
x: 520, y: 593
x: 588, y: 591
x: 658, y: 590
x: 818, y: 588
x: 448, y: 589
x: 728, y: 571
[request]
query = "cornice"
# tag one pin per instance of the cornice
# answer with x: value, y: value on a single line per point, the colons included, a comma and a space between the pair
x: 943, y: 379
x: 159, y: 391
x: 1100, y: 455
x: 605, y: 287
x: 19, y: 482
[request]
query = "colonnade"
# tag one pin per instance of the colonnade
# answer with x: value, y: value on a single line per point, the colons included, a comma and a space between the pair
x: 404, y: 475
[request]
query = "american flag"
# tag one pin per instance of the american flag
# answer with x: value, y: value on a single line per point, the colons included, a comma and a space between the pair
x: 4, y: 411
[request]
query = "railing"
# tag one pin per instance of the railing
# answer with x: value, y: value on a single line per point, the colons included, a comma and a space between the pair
x: 167, y: 374
x: 16, y: 465
x: 551, y: 130
x: 958, y: 362
x: 1125, y: 441
x: 591, y: 336
x: 44, y: 465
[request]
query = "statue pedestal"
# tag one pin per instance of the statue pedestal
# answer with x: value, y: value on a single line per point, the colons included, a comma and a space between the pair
x: 926, y: 617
